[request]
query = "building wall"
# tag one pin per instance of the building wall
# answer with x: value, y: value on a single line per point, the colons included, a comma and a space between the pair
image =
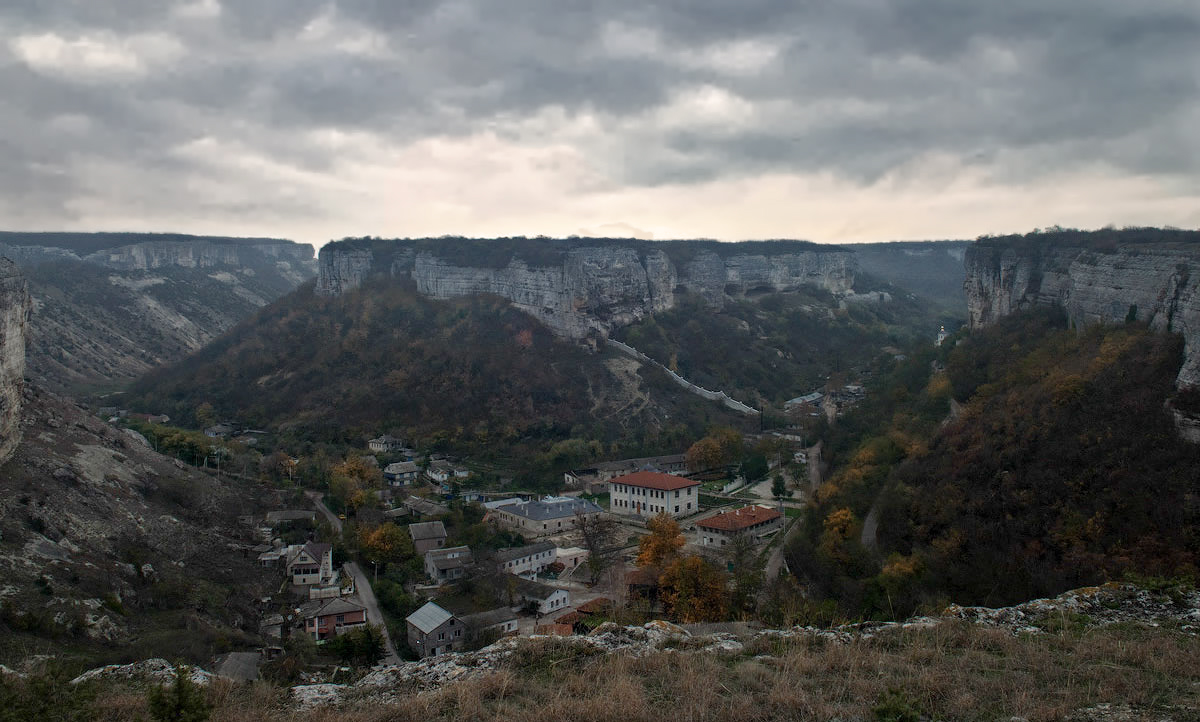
x: 531, y: 564
x: 721, y: 537
x: 643, y: 502
x: 447, y: 637
x: 559, y: 600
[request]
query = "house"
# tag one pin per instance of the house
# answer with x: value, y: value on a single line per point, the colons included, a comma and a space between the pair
x: 218, y: 431
x: 310, y: 564
x: 528, y: 560
x: 427, y: 535
x: 754, y: 521
x: 449, y: 564
x: 571, y: 557
x: 592, y: 479
x: 443, y: 471
x: 542, y: 598
x: 813, y: 398
x: 324, y: 619
x: 287, y: 516
x: 401, y: 473
x: 543, y: 517
x: 421, y: 508
x: 491, y: 624
x: 433, y: 630
x: 649, y: 493
x: 384, y: 444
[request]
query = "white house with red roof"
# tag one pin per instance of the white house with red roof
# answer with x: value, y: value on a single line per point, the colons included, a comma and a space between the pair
x: 649, y: 493
x: 754, y: 521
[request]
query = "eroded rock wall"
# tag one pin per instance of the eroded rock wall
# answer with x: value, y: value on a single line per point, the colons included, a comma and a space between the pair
x: 593, y: 289
x: 1156, y: 285
x: 14, y: 321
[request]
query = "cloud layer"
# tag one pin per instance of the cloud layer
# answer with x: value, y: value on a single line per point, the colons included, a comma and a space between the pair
x: 855, y: 120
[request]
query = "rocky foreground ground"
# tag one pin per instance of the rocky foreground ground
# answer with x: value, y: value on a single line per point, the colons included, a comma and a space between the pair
x: 1176, y: 610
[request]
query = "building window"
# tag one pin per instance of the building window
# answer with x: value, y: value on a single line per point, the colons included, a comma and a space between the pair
x: 441, y: 636
x: 689, y: 505
x: 676, y: 493
x: 676, y: 508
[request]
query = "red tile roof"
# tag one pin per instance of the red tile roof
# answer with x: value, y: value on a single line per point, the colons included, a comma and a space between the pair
x: 654, y: 480
x: 561, y: 630
x: 739, y: 519
x: 599, y: 605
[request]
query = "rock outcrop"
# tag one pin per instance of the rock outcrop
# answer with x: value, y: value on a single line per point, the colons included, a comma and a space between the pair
x: 1091, y: 607
x: 582, y: 290
x: 1158, y: 284
x: 14, y: 320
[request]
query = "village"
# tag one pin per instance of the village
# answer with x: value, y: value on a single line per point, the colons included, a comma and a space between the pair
x: 534, y: 564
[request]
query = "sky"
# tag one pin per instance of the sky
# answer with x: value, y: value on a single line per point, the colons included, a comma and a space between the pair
x: 854, y: 120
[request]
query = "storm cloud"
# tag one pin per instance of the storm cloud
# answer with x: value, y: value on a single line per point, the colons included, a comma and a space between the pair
x: 855, y: 120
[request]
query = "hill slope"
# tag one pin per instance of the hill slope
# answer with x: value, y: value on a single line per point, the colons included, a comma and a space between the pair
x: 109, y: 306
x: 472, y: 372
x: 1063, y: 468
x: 109, y: 550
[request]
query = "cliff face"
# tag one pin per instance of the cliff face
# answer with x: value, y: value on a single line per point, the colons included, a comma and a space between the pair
x: 14, y: 318
x: 590, y: 289
x: 1156, y: 285
x: 108, y: 307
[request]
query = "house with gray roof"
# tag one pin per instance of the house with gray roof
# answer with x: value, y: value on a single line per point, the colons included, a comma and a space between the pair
x: 449, y: 564
x: 401, y: 473
x: 433, y: 630
x: 543, y: 598
x: 528, y: 560
x: 543, y: 517
x: 427, y: 535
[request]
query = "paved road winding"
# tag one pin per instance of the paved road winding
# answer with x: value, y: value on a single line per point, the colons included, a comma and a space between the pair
x: 362, y: 585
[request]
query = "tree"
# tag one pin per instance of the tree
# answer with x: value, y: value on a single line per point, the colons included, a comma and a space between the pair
x: 385, y: 543
x: 755, y: 467
x: 694, y: 591
x: 662, y: 543
x: 205, y: 414
x: 600, y: 539
x: 704, y: 454
x: 746, y: 568
x: 182, y: 701
x: 778, y: 487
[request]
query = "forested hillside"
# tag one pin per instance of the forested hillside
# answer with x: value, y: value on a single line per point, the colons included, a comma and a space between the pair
x: 472, y: 374
x: 1063, y: 468
x: 767, y: 349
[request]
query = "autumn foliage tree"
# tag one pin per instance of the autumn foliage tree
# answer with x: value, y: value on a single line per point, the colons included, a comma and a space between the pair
x: 385, y: 543
x: 352, y: 481
x: 693, y: 590
x: 662, y: 543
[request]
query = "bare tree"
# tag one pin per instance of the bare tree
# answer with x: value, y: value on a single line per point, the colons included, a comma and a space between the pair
x: 600, y: 538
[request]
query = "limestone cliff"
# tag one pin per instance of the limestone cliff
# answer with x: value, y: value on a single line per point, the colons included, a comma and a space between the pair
x: 14, y: 318
x: 1157, y: 283
x: 110, y: 306
x: 579, y: 288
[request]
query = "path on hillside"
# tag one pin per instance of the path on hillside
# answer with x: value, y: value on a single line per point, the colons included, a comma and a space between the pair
x: 362, y: 585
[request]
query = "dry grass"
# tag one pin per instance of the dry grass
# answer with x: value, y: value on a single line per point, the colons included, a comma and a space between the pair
x: 954, y: 671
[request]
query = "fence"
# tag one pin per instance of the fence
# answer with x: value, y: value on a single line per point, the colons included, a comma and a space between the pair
x: 718, y: 396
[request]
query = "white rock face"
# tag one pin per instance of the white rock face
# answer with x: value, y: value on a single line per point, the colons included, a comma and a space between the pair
x: 1160, y: 286
x: 14, y: 321
x: 594, y: 289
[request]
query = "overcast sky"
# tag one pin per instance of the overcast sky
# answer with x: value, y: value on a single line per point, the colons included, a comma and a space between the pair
x: 832, y: 121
